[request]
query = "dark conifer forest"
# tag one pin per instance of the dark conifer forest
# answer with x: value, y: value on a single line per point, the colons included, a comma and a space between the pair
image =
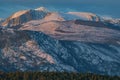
x: 54, y: 76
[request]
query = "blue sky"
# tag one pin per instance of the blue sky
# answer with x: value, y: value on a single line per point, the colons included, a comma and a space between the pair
x: 100, y: 7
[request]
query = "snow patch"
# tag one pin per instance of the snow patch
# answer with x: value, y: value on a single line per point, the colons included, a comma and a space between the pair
x: 85, y: 16
x: 41, y: 9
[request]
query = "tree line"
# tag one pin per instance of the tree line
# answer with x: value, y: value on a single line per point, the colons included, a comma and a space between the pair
x: 54, y: 76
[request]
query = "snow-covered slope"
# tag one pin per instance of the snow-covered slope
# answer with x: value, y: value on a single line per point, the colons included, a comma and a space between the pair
x: 76, y: 30
x: 39, y: 52
x: 111, y: 20
x: 86, y: 16
x: 42, y: 13
x: 41, y: 9
x: 54, y: 16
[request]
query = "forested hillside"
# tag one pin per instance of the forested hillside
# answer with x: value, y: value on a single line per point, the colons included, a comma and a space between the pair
x: 54, y: 76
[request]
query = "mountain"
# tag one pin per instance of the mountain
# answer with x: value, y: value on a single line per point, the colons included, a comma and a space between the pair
x: 24, y: 16
x: 36, y: 51
x: 60, y: 42
x: 42, y: 13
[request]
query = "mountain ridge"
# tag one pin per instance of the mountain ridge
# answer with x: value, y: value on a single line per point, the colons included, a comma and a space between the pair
x: 59, y: 42
x: 24, y: 16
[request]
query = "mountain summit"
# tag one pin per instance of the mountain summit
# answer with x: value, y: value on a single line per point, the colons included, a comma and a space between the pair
x: 24, y: 16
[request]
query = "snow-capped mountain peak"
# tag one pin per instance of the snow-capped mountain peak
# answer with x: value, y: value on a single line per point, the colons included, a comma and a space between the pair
x: 42, y: 13
x: 23, y: 16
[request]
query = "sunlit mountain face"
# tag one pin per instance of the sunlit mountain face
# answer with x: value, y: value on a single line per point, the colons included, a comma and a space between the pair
x: 59, y: 36
x: 107, y: 8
